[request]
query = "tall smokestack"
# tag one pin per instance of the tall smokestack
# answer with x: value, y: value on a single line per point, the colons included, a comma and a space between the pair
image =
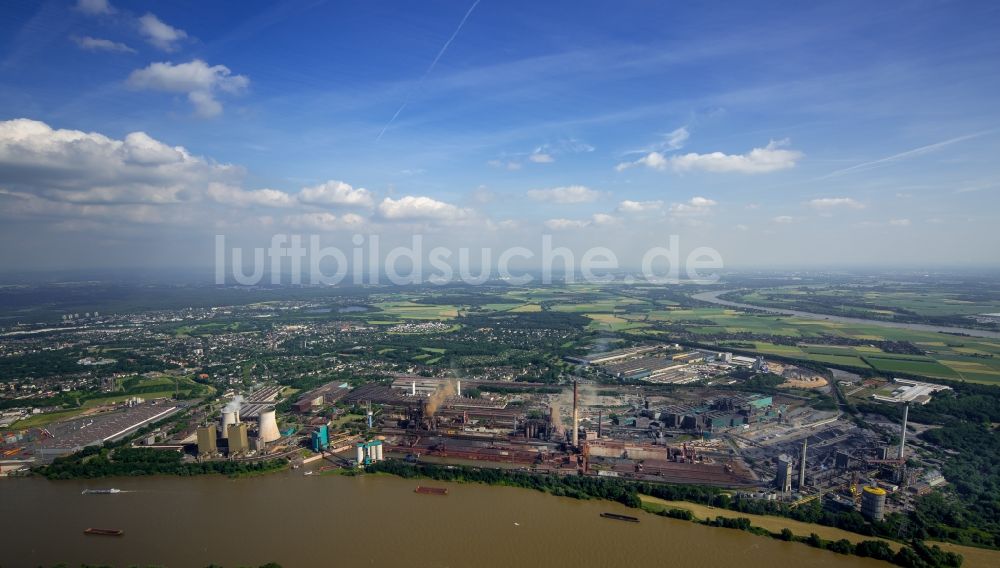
x: 576, y: 419
x: 458, y: 389
x: 902, y: 432
x: 600, y: 420
x: 413, y: 388
x: 802, y: 466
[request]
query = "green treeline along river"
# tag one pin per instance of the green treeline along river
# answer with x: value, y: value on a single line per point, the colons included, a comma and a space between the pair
x: 372, y: 520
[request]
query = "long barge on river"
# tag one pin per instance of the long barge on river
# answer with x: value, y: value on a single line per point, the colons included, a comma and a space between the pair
x: 104, y: 532
x: 430, y: 490
x: 618, y: 517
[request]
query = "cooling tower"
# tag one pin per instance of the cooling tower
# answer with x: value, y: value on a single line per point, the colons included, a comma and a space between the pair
x: 267, y: 428
x: 228, y: 418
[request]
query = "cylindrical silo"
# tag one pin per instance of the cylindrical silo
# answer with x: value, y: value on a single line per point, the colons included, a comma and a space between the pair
x: 378, y: 451
x: 873, y: 503
x: 361, y: 454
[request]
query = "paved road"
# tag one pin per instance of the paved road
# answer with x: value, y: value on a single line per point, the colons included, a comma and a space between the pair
x: 713, y: 298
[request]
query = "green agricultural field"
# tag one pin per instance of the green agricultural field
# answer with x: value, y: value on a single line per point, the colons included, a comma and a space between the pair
x: 412, y: 311
x: 926, y: 368
x: 958, y: 358
x: 611, y: 322
x: 878, y: 301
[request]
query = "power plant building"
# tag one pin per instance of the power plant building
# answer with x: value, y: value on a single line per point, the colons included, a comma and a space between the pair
x: 873, y: 503
x: 239, y: 442
x: 206, y: 440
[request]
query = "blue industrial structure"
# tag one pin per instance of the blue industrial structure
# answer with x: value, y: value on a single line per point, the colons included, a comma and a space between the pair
x: 320, y: 439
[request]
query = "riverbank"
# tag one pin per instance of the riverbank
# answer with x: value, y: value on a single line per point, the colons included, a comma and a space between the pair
x: 771, y: 523
x: 973, y: 557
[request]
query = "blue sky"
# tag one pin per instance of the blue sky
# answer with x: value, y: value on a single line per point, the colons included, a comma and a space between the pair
x: 779, y: 133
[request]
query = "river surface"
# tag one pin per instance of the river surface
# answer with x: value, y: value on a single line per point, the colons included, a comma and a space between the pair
x: 713, y: 298
x: 316, y: 520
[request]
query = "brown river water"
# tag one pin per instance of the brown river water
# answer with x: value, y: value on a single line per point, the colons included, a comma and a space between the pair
x: 298, y: 520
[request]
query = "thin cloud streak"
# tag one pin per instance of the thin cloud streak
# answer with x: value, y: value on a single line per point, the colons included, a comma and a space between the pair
x: 430, y: 68
x: 904, y: 155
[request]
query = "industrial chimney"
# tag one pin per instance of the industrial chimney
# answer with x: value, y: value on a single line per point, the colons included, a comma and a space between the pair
x: 458, y: 389
x: 802, y: 466
x: 267, y: 427
x: 902, y: 432
x: 576, y: 419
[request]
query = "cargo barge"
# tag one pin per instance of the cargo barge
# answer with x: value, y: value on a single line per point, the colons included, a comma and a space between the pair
x: 104, y: 532
x: 618, y: 517
x: 431, y: 490
x: 111, y: 491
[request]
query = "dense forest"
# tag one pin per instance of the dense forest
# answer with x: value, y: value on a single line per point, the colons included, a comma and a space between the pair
x: 108, y: 462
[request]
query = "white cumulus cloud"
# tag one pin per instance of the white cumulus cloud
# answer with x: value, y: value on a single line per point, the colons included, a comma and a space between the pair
x: 161, y: 35
x: 324, y: 221
x: 565, y: 224
x: 236, y: 196
x: 196, y: 78
x: 773, y: 157
x: 336, y: 192
x: 694, y: 207
x: 87, y: 167
x: 899, y: 222
x: 565, y: 195
x: 417, y: 208
x: 826, y: 203
x: 629, y: 206
x: 95, y: 7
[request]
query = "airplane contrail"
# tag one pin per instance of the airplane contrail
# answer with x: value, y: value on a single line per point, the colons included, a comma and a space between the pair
x: 903, y: 155
x: 430, y: 68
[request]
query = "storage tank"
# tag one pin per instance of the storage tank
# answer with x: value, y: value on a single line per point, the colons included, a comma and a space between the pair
x: 228, y: 419
x: 361, y: 454
x: 873, y: 503
x: 267, y: 426
x: 378, y: 451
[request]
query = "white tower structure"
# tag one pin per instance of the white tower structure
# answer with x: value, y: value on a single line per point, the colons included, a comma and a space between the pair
x: 228, y: 418
x: 267, y: 427
x: 902, y: 432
